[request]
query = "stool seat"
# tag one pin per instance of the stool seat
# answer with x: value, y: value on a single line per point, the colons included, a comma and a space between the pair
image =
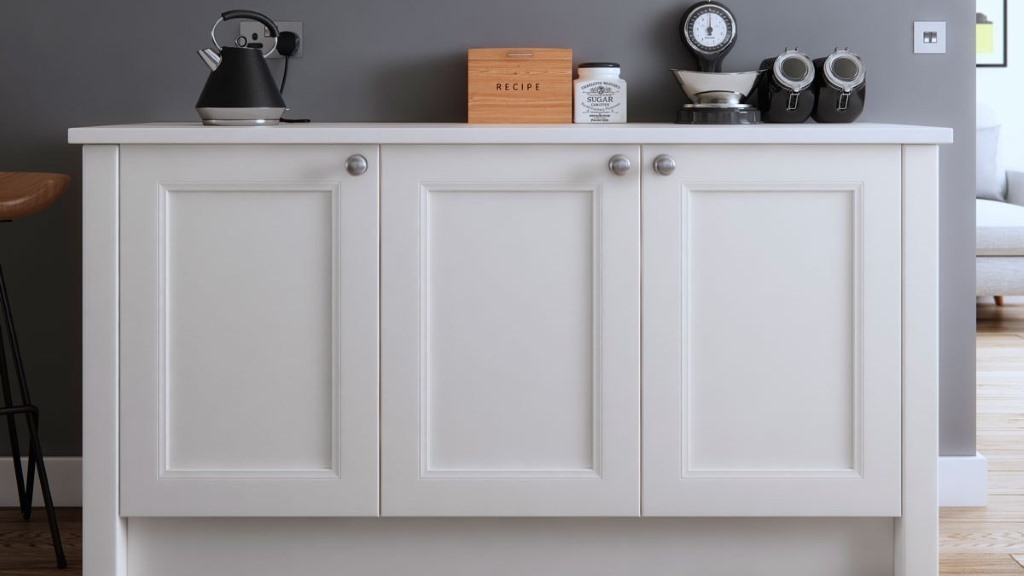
x: 25, y: 193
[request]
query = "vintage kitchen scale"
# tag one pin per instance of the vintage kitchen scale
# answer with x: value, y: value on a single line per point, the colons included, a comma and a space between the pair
x: 708, y: 30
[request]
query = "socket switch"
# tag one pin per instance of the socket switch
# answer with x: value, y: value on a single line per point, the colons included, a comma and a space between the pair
x: 929, y: 37
x: 258, y: 33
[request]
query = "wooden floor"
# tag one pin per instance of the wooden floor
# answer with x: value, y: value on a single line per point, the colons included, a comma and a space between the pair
x: 26, y: 548
x: 984, y: 541
x: 973, y: 541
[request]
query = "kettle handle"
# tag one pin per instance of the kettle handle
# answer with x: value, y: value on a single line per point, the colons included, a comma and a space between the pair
x: 252, y: 15
x: 249, y: 15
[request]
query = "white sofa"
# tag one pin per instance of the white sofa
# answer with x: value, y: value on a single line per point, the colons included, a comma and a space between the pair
x: 999, y: 245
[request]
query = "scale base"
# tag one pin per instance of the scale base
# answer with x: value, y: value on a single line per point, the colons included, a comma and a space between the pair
x: 718, y: 115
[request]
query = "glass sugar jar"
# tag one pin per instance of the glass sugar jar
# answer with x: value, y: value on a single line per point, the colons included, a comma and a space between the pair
x: 599, y: 95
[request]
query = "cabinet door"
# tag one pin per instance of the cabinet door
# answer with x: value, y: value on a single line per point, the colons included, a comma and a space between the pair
x: 772, y: 348
x: 248, y: 305
x: 510, y: 331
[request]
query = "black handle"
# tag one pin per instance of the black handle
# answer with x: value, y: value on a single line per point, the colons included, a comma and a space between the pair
x: 252, y: 15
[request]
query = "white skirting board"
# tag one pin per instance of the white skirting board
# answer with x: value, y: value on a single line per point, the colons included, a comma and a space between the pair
x: 65, y: 476
x: 963, y: 481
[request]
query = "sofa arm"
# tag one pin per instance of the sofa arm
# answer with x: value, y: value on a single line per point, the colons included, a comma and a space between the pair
x: 1015, y: 187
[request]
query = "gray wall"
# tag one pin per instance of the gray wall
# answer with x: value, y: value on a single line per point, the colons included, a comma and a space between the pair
x: 65, y: 64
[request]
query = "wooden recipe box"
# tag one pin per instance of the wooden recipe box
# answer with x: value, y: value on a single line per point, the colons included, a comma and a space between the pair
x: 520, y: 86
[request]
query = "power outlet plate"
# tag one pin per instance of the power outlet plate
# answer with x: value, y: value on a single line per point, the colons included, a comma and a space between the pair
x: 256, y: 32
x: 929, y: 37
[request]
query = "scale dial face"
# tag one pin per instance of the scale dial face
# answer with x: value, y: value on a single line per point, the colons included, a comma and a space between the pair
x: 709, y: 28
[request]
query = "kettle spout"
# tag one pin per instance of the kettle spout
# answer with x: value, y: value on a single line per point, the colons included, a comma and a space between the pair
x: 210, y: 58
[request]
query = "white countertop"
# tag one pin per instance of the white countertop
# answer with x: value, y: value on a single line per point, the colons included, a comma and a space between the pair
x: 454, y: 133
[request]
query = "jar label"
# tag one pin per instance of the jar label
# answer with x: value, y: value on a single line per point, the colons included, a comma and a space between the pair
x: 600, y: 100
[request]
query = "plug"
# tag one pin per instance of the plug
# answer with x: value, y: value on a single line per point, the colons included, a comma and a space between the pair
x: 257, y: 32
x: 287, y: 43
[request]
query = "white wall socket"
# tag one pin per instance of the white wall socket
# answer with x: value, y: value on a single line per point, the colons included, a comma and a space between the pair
x: 256, y: 32
x: 929, y: 37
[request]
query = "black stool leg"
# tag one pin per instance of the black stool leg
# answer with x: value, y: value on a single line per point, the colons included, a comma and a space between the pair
x: 30, y: 473
x: 12, y: 429
x: 32, y: 414
x: 44, y: 483
x: 25, y: 485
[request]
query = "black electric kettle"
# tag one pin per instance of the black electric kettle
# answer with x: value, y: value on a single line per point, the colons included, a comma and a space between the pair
x: 240, y: 90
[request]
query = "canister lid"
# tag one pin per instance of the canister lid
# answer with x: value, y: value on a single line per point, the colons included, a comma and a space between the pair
x: 793, y: 70
x: 844, y: 70
x: 599, y: 65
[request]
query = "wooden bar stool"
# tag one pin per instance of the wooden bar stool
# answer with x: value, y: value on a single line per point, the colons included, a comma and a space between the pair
x: 23, y: 194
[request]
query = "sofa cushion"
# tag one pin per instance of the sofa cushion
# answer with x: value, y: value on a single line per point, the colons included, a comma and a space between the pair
x: 990, y: 174
x: 1000, y: 228
x: 1002, y: 276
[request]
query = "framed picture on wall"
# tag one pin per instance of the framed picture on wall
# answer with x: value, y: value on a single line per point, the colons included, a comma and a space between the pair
x: 990, y: 33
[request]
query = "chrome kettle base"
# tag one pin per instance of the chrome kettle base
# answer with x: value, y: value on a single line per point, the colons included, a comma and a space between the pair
x: 698, y: 114
x: 240, y: 116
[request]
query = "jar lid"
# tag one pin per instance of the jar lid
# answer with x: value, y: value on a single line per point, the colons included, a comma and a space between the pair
x: 599, y: 65
x: 844, y: 70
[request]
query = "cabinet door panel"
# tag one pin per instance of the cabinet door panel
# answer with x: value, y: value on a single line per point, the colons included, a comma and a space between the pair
x: 510, y: 332
x: 795, y: 250
x: 248, y: 306
x: 249, y: 327
x: 772, y: 332
x: 511, y: 323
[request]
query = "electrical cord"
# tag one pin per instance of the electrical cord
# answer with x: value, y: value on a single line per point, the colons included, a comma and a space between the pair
x: 287, y: 45
x: 284, y: 76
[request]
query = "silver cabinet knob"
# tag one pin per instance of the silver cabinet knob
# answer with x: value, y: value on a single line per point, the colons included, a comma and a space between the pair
x: 356, y: 164
x: 619, y: 164
x: 664, y: 165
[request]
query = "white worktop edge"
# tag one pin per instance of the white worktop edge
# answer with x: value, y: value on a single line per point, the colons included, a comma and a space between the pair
x: 453, y: 133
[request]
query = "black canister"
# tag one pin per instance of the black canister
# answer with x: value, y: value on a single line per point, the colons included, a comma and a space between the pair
x: 786, y: 88
x: 841, y: 87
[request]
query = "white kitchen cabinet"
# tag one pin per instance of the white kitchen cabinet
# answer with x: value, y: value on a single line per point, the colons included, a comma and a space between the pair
x: 248, y: 332
x: 772, y: 331
x: 747, y: 345
x: 510, y: 331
